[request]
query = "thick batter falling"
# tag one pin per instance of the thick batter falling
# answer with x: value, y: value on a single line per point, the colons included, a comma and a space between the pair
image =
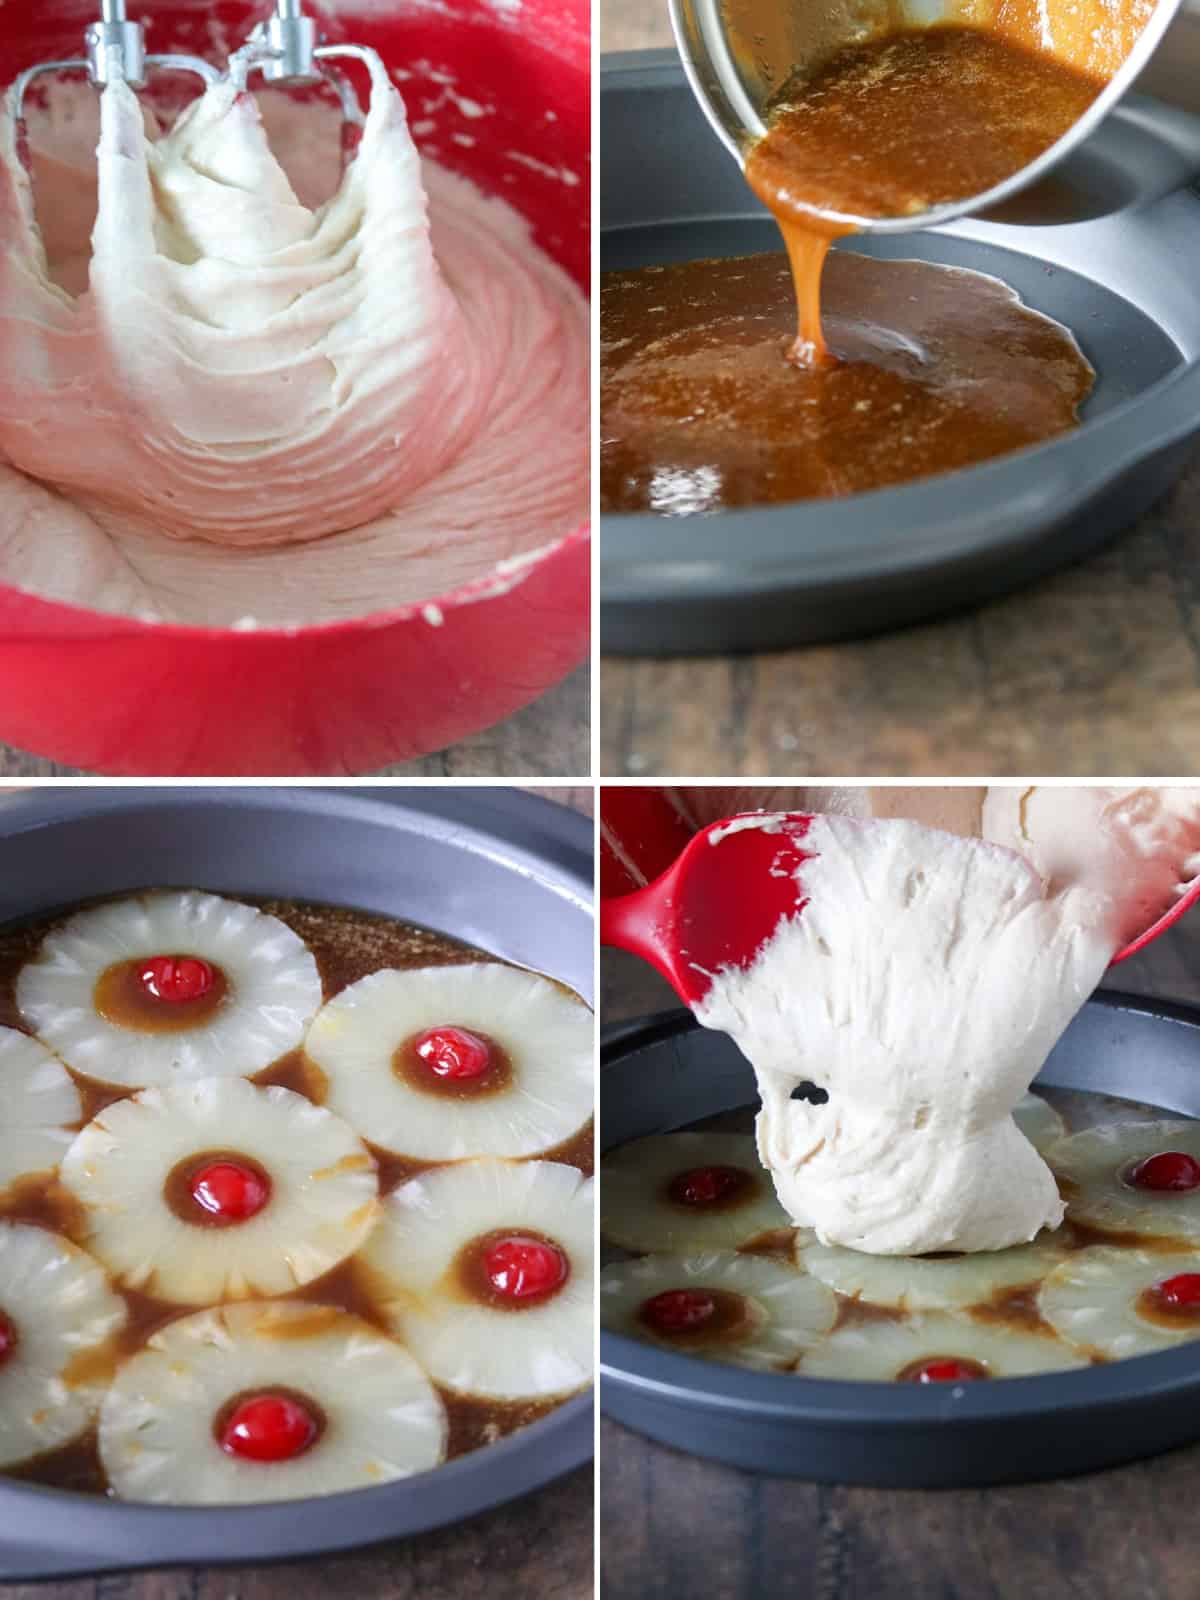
x: 738, y: 383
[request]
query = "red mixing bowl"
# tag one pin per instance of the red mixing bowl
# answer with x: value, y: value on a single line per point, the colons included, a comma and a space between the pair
x: 119, y: 696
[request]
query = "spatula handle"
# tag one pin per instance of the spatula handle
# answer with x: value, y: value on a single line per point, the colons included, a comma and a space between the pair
x: 641, y: 834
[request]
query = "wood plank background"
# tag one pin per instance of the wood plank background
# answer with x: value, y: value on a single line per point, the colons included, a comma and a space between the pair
x: 541, y: 1545
x: 673, y: 1526
x: 1091, y: 673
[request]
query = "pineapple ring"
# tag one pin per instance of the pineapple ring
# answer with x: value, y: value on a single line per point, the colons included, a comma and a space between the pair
x: 383, y: 1418
x: 323, y: 1195
x: 638, y: 1213
x: 881, y: 1351
x: 1091, y: 1301
x: 546, y: 1035
x: 542, y: 1349
x: 922, y: 1283
x: 274, y: 989
x: 789, y: 1311
x: 40, y: 1104
x: 1039, y: 1122
x: 58, y: 1302
x: 1092, y: 1161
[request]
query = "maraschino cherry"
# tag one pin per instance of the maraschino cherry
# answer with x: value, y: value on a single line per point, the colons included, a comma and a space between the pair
x: 8, y: 1339
x: 1170, y: 1170
x: 176, y: 979
x: 679, y: 1310
x: 1181, y: 1292
x: 268, y: 1427
x: 230, y: 1191
x: 453, y: 1052
x: 945, y: 1369
x: 519, y: 1267
x: 705, y: 1186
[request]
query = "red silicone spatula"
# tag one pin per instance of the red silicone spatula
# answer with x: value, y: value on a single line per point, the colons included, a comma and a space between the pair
x: 717, y: 902
x: 708, y: 905
x: 1171, y: 915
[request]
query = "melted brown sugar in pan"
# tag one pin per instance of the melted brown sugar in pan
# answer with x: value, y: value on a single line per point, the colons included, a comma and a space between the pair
x: 347, y: 945
x: 802, y: 376
x: 702, y: 409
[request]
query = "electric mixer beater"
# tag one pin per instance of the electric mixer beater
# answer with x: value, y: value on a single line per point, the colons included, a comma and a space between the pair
x: 115, y: 52
x: 285, y: 49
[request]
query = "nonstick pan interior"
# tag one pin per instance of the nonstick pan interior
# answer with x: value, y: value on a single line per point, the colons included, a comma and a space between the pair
x: 670, y: 1073
x: 506, y: 871
x: 789, y: 574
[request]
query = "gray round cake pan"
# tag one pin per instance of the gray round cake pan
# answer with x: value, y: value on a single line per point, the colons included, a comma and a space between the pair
x: 669, y: 1073
x: 506, y: 871
x: 810, y: 571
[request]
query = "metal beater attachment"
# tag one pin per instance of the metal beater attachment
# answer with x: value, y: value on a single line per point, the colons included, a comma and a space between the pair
x: 285, y: 50
x: 115, y: 52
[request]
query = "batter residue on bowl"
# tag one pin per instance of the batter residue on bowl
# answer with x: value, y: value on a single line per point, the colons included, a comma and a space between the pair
x: 239, y: 382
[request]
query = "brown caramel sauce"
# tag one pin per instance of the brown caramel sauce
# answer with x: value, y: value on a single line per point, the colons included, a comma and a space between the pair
x: 408, y: 1066
x: 852, y: 1310
x: 897, y: 125
x: 40, y: 1198
x: 577, y: 1151
x: 297, y: 1072
x: 913, y: 119
x: 805, y: 376
x: 1015, y: 1308
x: 121, y: 998
x: 937, y: 369
x: 774, y: 1242
x: 347, y: 945
x: 475, y: 1423
x: 1082, y: 1234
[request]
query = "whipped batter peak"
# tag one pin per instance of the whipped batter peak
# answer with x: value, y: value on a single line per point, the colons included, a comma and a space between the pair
x: 241, y: 364
x: 922, y: 985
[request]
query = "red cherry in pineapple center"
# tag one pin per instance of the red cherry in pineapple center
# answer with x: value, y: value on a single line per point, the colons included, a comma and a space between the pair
x: 1169, y: 1171
x: 268, y: 1427
x: 453, y: 1052
x: 176, y: 979
x: 944, y: 1369
x: 230, y: 1191
x: 523, y: 1268
x: 8, y: 1339
x: 1181, y: 1291
x: 706, y: 1186
x: 679, y: 1310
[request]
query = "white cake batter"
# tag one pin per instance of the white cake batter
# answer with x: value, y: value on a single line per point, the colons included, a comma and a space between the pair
x: 923, y: 985
x: 401, y: 402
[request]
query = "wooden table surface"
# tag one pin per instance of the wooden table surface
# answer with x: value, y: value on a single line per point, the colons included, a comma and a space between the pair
x: 676, y: 1528
x: 550, y: 738
x: 542, y: 1545
x: 1093, y: 672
